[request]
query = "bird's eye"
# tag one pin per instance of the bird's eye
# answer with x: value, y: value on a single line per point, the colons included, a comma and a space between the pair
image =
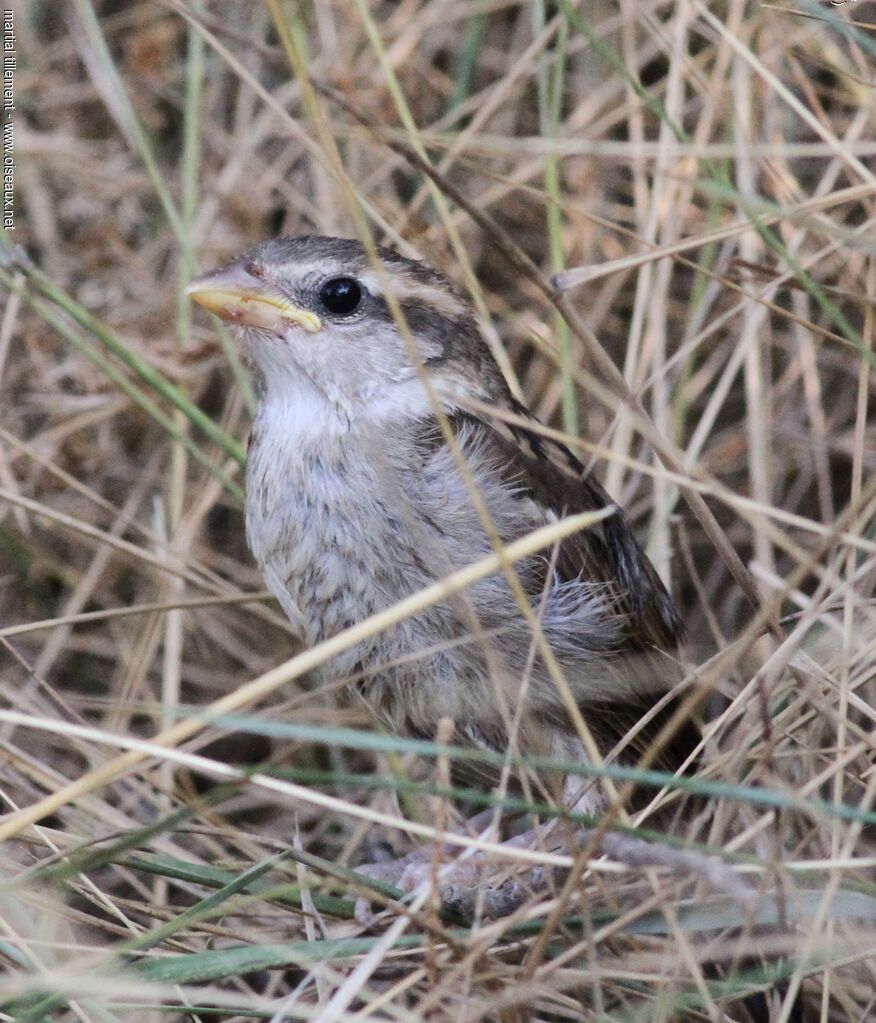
x: 341, y: 295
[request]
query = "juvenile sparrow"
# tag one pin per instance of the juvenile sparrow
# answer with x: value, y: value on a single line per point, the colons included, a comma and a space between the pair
x: 355, y: 500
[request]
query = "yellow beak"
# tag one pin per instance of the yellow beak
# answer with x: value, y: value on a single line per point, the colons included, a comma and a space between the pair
x: 233, y: 293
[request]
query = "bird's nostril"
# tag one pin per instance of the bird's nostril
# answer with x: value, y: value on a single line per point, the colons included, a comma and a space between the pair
x: 253, y: 269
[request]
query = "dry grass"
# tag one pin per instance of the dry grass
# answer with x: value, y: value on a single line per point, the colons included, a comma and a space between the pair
x: 710, y: 167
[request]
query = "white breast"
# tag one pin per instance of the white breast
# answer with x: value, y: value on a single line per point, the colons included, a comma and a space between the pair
x: 322, y: 518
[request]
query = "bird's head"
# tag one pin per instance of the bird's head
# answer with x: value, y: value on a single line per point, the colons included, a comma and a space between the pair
x: 314, y: 313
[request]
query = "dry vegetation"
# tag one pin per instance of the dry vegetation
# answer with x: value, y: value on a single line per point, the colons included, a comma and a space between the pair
x: 712, y: 168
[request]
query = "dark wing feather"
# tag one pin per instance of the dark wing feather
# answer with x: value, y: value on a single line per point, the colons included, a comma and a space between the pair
x: 549, y: 474
x: 609, y: 553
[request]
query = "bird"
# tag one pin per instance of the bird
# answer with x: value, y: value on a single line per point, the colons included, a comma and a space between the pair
x: 388, y: 451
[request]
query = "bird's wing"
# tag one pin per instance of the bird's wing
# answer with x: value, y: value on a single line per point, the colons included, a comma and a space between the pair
x: 547, y: 473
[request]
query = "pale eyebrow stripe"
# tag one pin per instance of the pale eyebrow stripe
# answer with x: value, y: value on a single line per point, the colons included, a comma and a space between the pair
x: 405, y: 289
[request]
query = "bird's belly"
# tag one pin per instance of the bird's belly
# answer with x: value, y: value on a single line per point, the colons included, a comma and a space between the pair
x: 322, y: 532
x: 323, y: 587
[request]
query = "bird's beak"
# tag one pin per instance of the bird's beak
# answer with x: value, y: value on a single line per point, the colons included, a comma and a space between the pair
x: 233, y: 293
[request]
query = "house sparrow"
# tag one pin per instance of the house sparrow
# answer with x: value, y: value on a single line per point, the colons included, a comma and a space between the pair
x: 356, y: 500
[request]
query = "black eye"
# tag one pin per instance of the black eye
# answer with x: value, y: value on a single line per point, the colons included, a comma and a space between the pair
x: 341, y: 295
